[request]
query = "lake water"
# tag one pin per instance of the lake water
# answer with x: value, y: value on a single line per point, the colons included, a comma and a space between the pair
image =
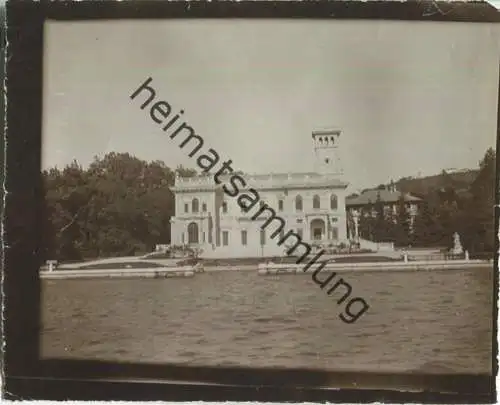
x: 432, y: 321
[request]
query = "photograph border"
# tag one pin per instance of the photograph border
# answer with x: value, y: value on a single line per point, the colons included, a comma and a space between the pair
x: 27, y: 376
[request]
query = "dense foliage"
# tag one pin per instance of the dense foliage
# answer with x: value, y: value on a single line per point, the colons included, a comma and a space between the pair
x: 121, y: 205
x: 459, y: 202
x: 378, y: 222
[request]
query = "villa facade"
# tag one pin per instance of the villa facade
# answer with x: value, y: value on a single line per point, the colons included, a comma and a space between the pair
x: 311, y: 204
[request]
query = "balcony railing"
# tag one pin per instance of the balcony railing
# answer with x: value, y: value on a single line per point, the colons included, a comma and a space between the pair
x: 264, y: 180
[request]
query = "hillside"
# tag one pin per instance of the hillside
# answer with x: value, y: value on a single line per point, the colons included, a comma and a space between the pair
x: 421, y: 186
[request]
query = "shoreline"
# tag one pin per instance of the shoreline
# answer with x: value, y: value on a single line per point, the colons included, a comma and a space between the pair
x: 264, y: 269
x: 273, y: 269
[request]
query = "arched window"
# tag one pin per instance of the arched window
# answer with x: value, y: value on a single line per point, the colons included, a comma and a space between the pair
x: 333, y: 202
x: 195, y: 205
x: 316, y: 202
x: 298, y: 203
x: 193, y: 232
x: 318, y: 229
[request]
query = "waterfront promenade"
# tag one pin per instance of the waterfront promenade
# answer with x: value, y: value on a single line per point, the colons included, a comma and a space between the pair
x: 164, y: 268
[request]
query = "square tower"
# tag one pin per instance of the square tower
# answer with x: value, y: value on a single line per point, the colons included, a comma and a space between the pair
x: 326, y: 151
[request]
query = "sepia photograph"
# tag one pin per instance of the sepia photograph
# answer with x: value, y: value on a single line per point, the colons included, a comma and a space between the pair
x: 271, y: 194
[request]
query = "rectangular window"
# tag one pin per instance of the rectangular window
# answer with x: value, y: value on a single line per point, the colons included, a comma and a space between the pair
x: 299, y: 232
x: 225, y: 238
x: 280, y: 205
x: 186, y: 207
x: 183, y: 238
x: 335, y: 233
x: 262, y: 237
x: 244, y: 238
x: 204, y: 237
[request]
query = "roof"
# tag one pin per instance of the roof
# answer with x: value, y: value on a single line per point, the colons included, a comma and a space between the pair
x: 387, y: 196
x: 326, y: 131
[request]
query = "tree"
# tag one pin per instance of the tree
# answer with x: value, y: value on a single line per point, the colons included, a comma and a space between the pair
x: 66, y: 200
x: 366, y: 222
x: 425, y: 227
x: 383, y: 225
x: 185, y: 172
x: 403, y: 223
x: 120, y: 205
x: 479, y: 233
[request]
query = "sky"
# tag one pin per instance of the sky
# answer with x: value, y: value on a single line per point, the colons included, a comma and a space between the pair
x: 411, y: 98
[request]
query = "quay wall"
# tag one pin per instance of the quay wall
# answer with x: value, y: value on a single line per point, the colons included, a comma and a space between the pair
x: 120, y: 273
x: 263, y: 269
x: 271, y: 268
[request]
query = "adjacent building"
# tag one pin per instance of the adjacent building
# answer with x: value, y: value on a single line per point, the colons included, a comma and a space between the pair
x: 364, y: 205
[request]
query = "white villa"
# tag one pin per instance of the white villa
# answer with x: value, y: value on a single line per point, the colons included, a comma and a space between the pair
x: 311, y: 204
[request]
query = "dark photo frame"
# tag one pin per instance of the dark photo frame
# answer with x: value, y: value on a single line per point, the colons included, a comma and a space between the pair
x: 27, y: 376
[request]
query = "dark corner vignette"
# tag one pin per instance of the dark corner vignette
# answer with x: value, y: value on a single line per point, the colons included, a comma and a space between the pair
x: 23, y: 194
x: 30, y: 377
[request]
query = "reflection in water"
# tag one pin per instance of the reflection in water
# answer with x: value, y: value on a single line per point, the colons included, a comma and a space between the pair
x: 438, y: 321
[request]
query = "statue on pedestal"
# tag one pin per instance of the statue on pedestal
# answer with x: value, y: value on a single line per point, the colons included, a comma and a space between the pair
x: 355, y: 221
x: 457, y: 246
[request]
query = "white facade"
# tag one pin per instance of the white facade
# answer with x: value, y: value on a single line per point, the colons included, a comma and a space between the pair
x: 311, y: 204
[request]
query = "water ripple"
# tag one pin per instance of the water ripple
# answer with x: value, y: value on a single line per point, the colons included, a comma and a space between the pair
x: 427, y: 321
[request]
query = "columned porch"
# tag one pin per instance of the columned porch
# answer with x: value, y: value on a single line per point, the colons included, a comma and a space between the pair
x: 323, y: 228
